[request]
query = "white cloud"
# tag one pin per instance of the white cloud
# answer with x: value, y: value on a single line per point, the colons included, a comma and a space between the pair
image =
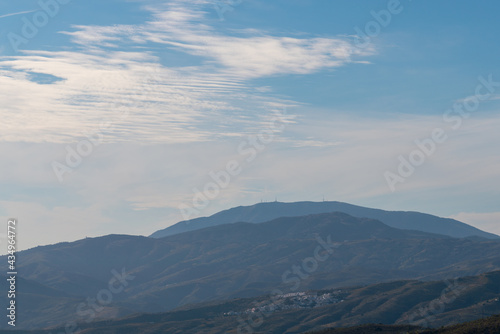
x: 254, y: 54
x: 161, y: 104
x: 143, y: 100
x: 17, y: 13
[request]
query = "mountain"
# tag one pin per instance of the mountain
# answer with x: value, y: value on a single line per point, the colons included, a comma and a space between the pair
x: 263, y: 212
x: 243, y: 260
x: 405, y: 305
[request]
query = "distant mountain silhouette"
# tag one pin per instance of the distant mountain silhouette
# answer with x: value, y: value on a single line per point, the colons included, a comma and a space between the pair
x: 263, y: 212
x: 239, y: 260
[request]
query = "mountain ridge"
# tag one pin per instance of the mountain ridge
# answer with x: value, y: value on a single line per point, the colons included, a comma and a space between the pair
x: 262, y: 212
x: 245, y: 259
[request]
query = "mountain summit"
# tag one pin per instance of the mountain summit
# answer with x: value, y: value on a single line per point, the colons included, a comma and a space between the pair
x: 263, y: 212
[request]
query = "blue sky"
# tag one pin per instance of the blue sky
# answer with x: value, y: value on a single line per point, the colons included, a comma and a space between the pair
x: 173, y: 92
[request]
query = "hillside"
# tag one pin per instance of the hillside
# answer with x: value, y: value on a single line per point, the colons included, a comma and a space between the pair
x: 244, y: 260
x: 395, y: 307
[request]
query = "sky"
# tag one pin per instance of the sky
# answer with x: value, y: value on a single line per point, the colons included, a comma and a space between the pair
x: 125, y: 117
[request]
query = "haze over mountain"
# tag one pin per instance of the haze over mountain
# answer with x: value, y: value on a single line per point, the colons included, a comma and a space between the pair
x: 262, y: 212
x: 241, y: 260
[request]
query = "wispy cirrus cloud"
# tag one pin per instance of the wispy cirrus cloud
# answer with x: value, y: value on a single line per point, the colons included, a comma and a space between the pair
x: 106, y: 70
x: 17, y: 13
x: 162, y: 104
x: 252, y: 54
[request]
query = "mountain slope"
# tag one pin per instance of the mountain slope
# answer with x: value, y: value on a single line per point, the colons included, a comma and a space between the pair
x: 429, y: 304
x: 263, y: 212
x: 245, y: 259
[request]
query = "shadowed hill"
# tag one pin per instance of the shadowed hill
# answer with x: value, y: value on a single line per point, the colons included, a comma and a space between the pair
x: 246, y: 260
x: 395, y: 307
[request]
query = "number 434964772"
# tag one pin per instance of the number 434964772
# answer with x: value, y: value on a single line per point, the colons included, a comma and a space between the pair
x: 11, y: 248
